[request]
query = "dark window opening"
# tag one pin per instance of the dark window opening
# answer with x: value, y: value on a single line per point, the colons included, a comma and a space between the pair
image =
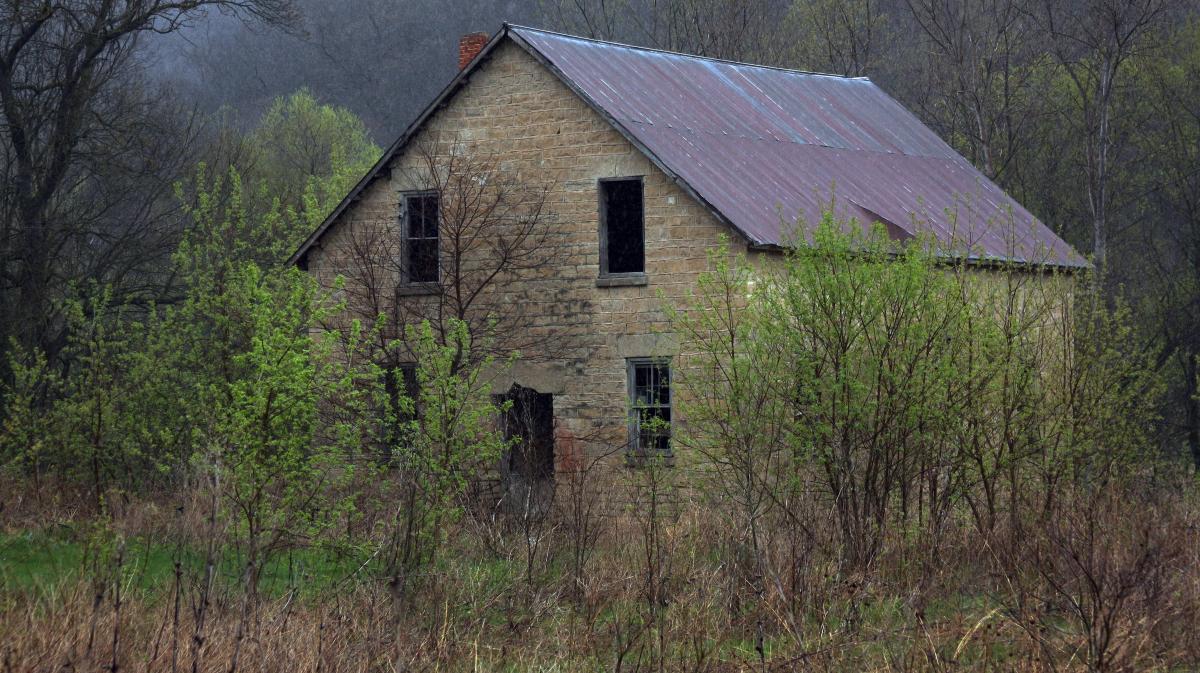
x: 529, y: 424
x: 421, y: 238
x: 650, y: 402
x: 408, y: 379
x: 623, y: 248
x: 400, y: 382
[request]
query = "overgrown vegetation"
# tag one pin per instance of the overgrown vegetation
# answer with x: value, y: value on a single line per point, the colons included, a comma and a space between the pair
x: 888, y: 460
x: 884, y: 459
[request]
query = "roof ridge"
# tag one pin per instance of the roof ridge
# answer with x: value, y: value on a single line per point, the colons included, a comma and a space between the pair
x: 684, y: 54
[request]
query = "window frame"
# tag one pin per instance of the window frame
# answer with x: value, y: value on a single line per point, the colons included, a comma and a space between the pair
x: 636, y: 450
x: 407, y: 238
x: 603, y: 218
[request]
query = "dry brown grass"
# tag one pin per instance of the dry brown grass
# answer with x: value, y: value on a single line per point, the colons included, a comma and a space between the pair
x: 1006, y: 604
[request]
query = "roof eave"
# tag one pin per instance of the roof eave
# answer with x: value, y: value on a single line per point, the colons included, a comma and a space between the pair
x: 971, y: 260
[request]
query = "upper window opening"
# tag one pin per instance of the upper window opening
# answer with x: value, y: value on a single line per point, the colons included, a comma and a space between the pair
x: 421, y: 237
x: 623, y: 247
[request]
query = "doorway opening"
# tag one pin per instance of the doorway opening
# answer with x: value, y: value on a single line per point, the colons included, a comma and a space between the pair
x: 528, y: 467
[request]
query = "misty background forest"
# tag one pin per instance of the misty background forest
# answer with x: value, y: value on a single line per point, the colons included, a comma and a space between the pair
x: 205, y: 466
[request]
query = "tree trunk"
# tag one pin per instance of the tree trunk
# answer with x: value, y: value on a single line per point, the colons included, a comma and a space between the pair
x: 30, y: 313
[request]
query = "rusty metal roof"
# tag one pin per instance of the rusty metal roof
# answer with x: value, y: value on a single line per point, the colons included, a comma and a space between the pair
x: 764, y: 146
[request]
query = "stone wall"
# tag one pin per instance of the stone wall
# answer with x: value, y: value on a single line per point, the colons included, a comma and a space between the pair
x: 515, y: 109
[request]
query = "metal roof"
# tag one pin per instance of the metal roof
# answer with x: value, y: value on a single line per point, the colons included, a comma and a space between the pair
x: 764, y: 146
x: 761, y: 147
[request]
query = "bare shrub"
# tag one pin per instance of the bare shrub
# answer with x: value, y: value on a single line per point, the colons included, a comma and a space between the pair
x: 1111, y: 574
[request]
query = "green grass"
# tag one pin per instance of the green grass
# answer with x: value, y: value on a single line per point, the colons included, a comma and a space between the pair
x: 39, y: 560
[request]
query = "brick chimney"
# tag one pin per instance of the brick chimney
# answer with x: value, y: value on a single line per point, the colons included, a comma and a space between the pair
x: 469, y: 46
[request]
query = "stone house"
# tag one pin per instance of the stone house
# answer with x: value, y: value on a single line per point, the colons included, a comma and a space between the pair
x: 647, y: 160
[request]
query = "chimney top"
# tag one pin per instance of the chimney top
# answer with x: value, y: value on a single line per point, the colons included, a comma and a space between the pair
x: 469, y: 46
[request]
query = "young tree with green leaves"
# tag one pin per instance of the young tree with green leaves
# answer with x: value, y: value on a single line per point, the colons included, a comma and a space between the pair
x: 307, y: 155
x: 737, y: 424
x: 233, y: 384
x: 89, y: 152
x: 909, y: 382
x: 449, y: 443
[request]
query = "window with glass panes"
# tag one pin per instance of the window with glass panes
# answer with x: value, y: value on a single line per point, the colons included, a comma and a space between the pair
x: 421, y: 237
x: 650, y: 405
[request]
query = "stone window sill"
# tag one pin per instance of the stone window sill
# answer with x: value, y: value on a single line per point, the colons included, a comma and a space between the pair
x: 622, y: 280
x: 417, y: 289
